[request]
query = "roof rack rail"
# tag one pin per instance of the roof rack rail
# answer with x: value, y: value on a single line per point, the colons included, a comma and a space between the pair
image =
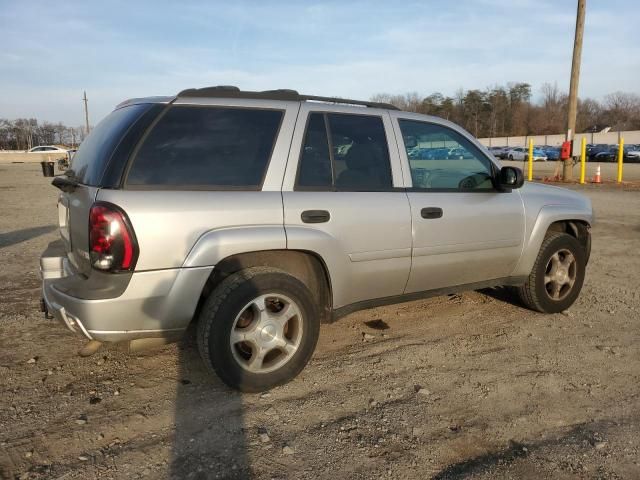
x: 229, y: 91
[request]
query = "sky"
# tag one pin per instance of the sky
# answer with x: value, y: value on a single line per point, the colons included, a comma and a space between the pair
x: 51, y: 51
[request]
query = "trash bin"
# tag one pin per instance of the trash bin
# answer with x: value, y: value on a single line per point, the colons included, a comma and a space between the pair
x: 47, y: 169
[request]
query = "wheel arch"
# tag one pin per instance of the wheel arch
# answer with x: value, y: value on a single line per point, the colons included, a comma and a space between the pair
x: 554, y: 218
x: 579, y: 229
x: 308, y: 267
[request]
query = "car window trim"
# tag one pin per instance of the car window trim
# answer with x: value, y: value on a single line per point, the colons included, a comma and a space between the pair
x: 452, y: 190
x: 317, y: 188
x: 258, y: 187
x: 333, y: 187
x: 332, y: 159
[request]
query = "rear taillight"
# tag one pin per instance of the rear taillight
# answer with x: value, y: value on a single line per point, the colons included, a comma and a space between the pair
x: 112, y: 242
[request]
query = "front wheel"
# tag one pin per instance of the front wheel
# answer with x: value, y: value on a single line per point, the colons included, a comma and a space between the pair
x: 557, y: 276
x: 258, y: 329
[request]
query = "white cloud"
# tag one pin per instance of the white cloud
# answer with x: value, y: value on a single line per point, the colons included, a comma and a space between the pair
x: 333, y: 48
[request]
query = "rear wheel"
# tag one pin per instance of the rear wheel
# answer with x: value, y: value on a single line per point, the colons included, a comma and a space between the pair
x: 557, y: 276
x: 258, y: 329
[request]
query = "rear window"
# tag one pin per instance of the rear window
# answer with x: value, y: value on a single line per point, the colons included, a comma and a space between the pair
x: 207, y: 147
x: 90, y: 160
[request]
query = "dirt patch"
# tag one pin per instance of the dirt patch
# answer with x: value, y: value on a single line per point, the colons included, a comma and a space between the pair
x: 465, y: 386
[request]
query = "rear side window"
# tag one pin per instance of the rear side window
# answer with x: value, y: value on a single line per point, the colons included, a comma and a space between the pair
x: 315, y: 160
x: 344, y: 152
x: 207, y: 147
x: 91, y: 159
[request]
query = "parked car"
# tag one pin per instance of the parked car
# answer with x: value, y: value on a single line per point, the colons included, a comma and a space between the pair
x: 48, y: 148
x: 499, y: 152
x: 62, y: 155
x: 230, y: 209
x: 552, y: 153
x: 593, y: 149
x: 521, y: 153
x: 632, y: 154
x: 609, y: 155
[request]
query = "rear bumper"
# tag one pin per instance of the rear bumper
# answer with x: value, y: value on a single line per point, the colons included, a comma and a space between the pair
x: 158, y: 303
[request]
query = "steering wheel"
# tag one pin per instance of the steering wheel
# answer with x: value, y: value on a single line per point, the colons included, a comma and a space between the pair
x: 469, y: 182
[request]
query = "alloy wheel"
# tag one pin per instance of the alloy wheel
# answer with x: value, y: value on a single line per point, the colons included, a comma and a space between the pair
x: 267, y: 333
x: 560, y: 274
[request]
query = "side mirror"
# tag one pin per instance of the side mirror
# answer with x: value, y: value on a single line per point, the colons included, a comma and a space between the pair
x: 510, y: 178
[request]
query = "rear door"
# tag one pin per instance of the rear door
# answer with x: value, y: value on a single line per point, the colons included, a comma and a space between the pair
x: 342, y: 200
x: 87, y: 168
x: 464, y: 230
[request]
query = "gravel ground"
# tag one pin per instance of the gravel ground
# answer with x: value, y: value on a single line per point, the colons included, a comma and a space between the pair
x: 461, y: 386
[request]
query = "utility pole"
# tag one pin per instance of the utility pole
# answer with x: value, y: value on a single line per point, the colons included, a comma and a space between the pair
x: 567, y: 168
x: 86, y: 112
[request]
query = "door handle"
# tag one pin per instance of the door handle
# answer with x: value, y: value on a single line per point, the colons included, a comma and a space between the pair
x: 315, y: 216
x: 431, y: 212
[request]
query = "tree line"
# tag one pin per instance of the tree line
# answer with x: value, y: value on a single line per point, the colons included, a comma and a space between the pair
x: 497, y: 111
x: 509, y: 110
x: 25, y: 133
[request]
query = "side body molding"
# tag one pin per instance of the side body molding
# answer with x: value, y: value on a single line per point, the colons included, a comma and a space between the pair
x: 216, y: 245
x: 548, y: 214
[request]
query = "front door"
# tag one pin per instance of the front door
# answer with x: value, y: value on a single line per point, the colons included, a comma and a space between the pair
x: 464, y: 230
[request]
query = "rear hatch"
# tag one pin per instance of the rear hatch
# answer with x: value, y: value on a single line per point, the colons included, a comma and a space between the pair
x: 91, y: 169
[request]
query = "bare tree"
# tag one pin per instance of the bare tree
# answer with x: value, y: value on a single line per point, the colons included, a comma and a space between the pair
x: 623, y: 110
x: 509, y: 111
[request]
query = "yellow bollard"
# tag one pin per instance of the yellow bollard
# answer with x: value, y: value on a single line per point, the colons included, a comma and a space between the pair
x: 583, y: 159
x: 620, y: 157
x: 530, y: 159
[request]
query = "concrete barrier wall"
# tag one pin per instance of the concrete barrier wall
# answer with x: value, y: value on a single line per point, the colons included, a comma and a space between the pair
x: 631, y: 136
x: 12, y: 156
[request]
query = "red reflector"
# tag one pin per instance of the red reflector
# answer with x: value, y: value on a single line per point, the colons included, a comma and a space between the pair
x: 128, y: 249
x: 112, y: 243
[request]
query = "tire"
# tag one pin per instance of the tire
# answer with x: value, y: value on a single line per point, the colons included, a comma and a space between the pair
x: 511, y: 157
x: 234, y: 308
x: 537, y: 294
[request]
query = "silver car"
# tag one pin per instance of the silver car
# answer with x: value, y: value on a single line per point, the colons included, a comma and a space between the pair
x: 261, y: 215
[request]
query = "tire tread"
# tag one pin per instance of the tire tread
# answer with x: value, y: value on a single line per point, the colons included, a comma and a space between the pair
x: 215, y: 300
x: 527, y: 292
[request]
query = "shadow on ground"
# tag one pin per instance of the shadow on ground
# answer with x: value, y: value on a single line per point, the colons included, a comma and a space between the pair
x: 503, y: 294
x: 210, y: 438
x: 496, y: 463
x: 19, y: 236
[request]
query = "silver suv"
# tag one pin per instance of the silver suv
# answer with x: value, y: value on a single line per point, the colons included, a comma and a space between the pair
x: 261, y: 215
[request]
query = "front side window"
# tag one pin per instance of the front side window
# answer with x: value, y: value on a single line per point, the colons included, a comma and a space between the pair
x: 345, y: 152
x: 207, y: 147
x: 441, y: 158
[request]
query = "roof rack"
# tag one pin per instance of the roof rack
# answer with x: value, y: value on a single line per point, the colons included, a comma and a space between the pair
x: 229, y: 91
